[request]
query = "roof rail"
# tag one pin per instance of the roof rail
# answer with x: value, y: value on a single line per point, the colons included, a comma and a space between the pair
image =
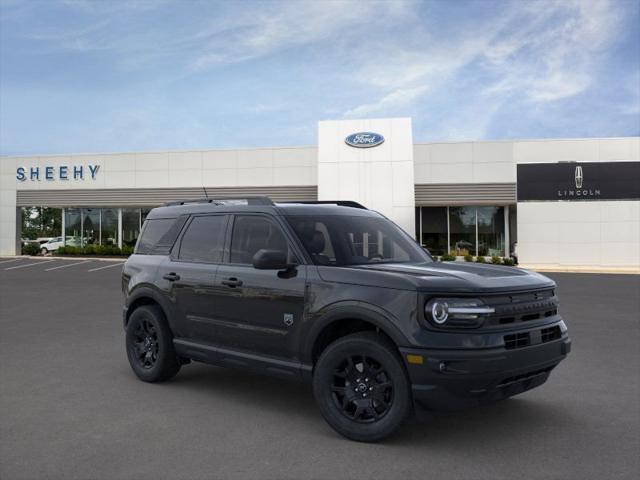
x: 340, y: 203
x: 223, y: 201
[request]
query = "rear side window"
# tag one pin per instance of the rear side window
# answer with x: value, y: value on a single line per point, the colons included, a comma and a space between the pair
x: 204, y: 239
x: 158, y: 235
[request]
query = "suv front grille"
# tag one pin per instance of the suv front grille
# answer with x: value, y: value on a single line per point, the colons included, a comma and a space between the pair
x: 524, y: 339
x: 521, y: 307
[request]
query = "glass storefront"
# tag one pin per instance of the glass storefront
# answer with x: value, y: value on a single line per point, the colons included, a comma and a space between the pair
x: 100, y: 226
x: 463, y: 230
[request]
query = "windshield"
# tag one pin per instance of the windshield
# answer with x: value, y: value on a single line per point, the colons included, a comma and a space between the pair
x: 341, y: 240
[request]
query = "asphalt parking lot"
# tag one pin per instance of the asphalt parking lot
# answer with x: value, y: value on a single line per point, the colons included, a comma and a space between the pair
x: 70, y: 407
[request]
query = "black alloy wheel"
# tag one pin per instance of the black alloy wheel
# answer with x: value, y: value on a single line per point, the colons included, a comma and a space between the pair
x: 145, y: 344
x: 361, y: 387
x: 149, y: 345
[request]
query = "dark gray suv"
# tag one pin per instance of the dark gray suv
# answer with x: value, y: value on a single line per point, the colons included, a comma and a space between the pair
x: 338, y: 295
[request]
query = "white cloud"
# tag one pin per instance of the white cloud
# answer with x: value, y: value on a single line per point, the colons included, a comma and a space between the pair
x: 537, y: 51
x: 396, y: 99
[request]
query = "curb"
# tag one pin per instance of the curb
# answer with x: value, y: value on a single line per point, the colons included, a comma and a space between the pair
x: 566, y: 269
x: 54, y: 257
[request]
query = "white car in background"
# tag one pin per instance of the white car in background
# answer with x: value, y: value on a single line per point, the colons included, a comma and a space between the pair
x: 56, y: 242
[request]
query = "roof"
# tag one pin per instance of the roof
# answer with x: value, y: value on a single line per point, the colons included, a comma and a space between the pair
x: 258, y: 205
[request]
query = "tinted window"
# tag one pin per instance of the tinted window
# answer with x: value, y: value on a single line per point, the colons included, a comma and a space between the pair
x: 354, y: 240
x: 204, y: 239
x: 253, y: 233
x: 158, y: 235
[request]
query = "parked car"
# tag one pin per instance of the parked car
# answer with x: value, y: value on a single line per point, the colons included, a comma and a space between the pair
x: 337, y: 295
x: 55, y: 243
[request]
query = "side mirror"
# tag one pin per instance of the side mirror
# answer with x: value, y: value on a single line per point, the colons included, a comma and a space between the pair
x: 271, y: 260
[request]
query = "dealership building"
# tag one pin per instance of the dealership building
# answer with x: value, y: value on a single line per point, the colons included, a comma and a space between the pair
x: 558, y: 203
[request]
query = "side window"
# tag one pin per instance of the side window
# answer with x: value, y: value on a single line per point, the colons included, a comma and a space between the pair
x: 252, y: 233
x: 316, y: 238
x: 204, y: 239
x: 158, y: 235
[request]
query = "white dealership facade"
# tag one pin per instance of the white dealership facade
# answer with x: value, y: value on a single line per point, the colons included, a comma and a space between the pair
x: 564, y: 202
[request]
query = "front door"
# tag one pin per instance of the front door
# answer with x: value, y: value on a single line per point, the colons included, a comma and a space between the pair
x: 258, y: 310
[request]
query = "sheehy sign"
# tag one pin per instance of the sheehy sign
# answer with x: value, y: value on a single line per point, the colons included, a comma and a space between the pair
x: 60, y: 172
x: 576, y: 181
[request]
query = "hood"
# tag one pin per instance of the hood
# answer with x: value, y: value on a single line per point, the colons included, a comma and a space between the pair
x: 453, y: 277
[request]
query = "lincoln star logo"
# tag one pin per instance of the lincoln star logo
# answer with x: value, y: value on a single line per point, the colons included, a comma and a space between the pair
x: 579, y: 177
x: 364, y: 139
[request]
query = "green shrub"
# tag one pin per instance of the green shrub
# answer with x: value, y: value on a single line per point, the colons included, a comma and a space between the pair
x: 480, y: 259
x: 468, y: 257
x: 496, y: 260
x: 68, y: 251
x: 509, y: 262
x: 31, y: 249
x: 100, y: 250
x: 448, y: 257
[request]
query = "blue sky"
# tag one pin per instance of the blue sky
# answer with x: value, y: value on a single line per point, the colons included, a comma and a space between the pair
x: 103, y: 76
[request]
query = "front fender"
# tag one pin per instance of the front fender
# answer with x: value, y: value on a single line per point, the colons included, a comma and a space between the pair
x: 353, y: 310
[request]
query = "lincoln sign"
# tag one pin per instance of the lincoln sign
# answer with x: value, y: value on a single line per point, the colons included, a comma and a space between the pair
x: 576, y: 181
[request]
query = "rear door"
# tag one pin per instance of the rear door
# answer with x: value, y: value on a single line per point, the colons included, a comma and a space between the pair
x: 189, y: 275
x: 258, y: 310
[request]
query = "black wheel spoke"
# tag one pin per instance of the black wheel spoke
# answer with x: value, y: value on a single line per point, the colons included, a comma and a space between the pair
x: 361, y: 389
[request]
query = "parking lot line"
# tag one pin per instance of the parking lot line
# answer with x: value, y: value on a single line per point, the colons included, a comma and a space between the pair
x: 30, y: 264
x: 9, y: 261
x: 102, y: 268
x: 65, y: 266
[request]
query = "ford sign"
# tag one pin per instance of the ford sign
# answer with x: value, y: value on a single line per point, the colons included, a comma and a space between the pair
x: 364, y: 139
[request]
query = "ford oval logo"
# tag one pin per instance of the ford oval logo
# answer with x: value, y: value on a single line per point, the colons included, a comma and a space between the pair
x: 364, y: 139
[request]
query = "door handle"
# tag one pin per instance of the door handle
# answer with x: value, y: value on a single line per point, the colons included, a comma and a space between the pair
x: 172, y: 277
x: 232, y: 282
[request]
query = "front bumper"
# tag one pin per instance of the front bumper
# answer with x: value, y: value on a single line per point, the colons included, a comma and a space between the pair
x: 454, y: 379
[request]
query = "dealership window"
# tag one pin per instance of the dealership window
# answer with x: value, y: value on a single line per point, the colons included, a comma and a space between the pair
x: 462, y: 228
x: 109, y: 226
x: 490, y: 231
x: 433, y: 231
x: 90, y: 226
x: 73, y: 226
x: 465, y: 229
x: 130, y: 226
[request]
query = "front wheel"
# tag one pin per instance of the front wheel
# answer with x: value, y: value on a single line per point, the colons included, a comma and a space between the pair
x: 149, y: 344
x: 361, y: 387
x: 44, y: 251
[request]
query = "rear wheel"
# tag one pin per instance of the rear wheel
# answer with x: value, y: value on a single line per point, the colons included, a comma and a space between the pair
x: 149, y: 345
x: 361, y: 387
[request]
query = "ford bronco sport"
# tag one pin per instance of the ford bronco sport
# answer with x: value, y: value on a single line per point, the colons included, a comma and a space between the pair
x: 338, y: 295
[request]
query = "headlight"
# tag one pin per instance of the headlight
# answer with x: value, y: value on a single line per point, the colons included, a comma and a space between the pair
x: 457, y: 312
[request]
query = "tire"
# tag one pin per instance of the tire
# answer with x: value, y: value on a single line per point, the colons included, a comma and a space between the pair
x: 149, y: 345
x: 361, y: 387
x: 44, y: 251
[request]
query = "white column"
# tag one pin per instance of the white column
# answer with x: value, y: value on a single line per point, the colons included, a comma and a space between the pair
x: 380, y: 177
x: 64, y: 228
x: 9, y: 240
x: 120, y: 228
x: 507, y: 240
